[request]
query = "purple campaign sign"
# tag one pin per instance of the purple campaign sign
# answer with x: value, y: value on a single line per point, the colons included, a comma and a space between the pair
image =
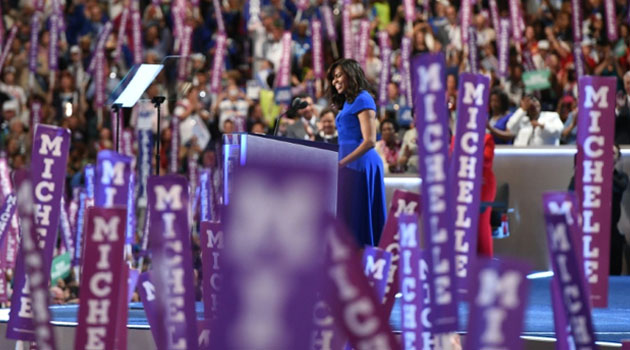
x: 410, y: 286
x: 136, y: 35
x: 466, y: 11
x: 405, y: 85
x: 568, y: 272
x: 147, y: 291
x: 131, y: 211
x: 472, y: 50
x: 318, y: 53
x: 403, y: 202
x: 326, y: 334
x: 503, y: 46
x: 217, y: 64
x: 6, y: 213
x: 284, y: 71
x: 494, y: 14
x: 66, y: 230
x: 49, y: 157
x: 593, y: 178
x: 88, y: 173
x: 363, y: 42
x: 145, y: 153
x: 184, y: 51
x: 206, y: 191
x: 466, y: 171
x: 576, y: 21
x: 4, y: 296
x: 354, y: 304
x: 112, y: 179
x: 219, y: 16
x: 611, y: 20
x: 376, y: 264
x: 432, y: 123
x: 122, y: 27
x: 498, y: 296
x: 271, y: 275
x: 346, y: 31
x: 53, y: 49
x: 212, y: 244
x: 34, y: 48
x: 329, y: 22
x: 383, y: 40
x: 172, y: 260
x: 515, y: 14
x: 564, y: 338
x: 102, y: 278
x: 8, y: 45
x: 6, y: 188
x: 174, y: 156
x: 78, y: 240
x: 30, y: 317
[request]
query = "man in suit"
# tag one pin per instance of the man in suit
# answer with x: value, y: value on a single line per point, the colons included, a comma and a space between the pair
x: 304, y: 126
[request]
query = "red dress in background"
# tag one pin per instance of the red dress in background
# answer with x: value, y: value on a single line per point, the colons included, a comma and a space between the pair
x: 488, y: 192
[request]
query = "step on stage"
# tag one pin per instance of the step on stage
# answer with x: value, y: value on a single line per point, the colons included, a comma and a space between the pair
x: 611, y: 324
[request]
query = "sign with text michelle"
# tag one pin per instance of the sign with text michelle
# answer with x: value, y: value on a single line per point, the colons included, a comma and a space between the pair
x: 403, y: 202
x: 432, y: 124
x: 354, y: 303
x: 112, y: 179
x: 376, y: 264
x: 101, y: 278
x: 466, y: 164
x: 6, y: 188
x: 593, y: 179
x: 147, y: 292
x: 212, y: 244
x: 30, y: 320
x: 498, y: 296
x: 272, y: 258
x: 49, y: 157
x: 410, y: 285
x: 567, y: 270
x: 172, y: 260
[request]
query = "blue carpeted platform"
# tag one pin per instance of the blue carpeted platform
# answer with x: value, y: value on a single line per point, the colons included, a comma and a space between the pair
x: 611, y: 324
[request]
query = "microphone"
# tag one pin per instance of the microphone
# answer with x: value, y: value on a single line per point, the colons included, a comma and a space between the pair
x: 296, y: 105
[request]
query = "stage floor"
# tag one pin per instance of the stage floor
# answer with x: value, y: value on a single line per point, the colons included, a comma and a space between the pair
x: 611, y: 324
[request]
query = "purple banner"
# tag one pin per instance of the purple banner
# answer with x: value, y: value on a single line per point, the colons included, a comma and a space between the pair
x: 211, y: 248
x: 284, y: 71
x: 355, y: 305
x: 29, y: 318
x: 7, y: 46
x: 218, y: 11
x: 36, y: 112
x: 494, y: 15
x: 363, y: 42
x: 112, y: 176
x: 329, y: 22
x: 346, y: 31
x: 88, y: 173
x: 560, y: 322
x: 466, y: 169
x: 327, y: 334
x: 405, y: 85
x: 206, y: 191
x: 593, y: 178
x: 611, y: 20
x: 78, y: 237
x: 120, y: 337
x: 193, y: 179
x: 576, y: 20
x: 318, y: 53
x: 12, y: 238
x: 432, y: 124
x: 49, y: 157
x: 578, y: 60
x: 66, y: 229
x: 103, y: 272
x: 217, y: 64
x: 184, y: 52
x: 6, y: 214
x: 174, y: 156
x: 568, y: 271
x: 122, y: 27
x: 145, y: 153
x: 271, y: 276
x: 136, y: 36
x: 131, y: 211
x: 34, y: 48
x: 172, y: 260
x: 499, y: 293
x: 115, y: 125
x: 99, y: 79
x: 503, y: 47
x: 126, y: 144
x: 100, y: 44
x: 4, y: 292
x: 410, y: 10
x: 515, y: 18
x: 402, y: 203
x: 147, y: 292
x: 410, y: 286
x: 466, y: 12
x: 383, y: 40
x: 472, y: 50
x: 376, y: 265
x: 53, y: 49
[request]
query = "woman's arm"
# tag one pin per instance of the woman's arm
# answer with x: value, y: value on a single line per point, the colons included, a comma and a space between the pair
x: 368, y: 131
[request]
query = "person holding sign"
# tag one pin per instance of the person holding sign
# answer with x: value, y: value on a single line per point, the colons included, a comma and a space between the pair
x: 361, y: 199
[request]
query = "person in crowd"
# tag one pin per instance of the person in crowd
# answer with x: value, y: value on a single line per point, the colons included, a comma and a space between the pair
x: 304, y: 121
x: 567, y: 110
x: 362, y: 187
x: 499, y: 116
x: 233, y: 105
x: 622, y: 113
x: 327, y: 132
x: 533, y: 127
x: 485, y: 245
x: 388, y: 147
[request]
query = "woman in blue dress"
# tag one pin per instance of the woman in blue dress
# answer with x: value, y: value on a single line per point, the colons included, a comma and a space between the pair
x: 361, y: 189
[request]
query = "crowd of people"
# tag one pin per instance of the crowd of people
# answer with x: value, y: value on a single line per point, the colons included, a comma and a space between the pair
x: 252, y: 60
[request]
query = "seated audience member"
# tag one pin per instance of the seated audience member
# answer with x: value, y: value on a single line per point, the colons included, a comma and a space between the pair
x: 305, y: 122
x: 388, y: 147
x: 567, y: 110
x: 408, y: 158
x: 499, y: 116
x: 328, y: 131
x: 233, y: 105
x: 532, y: 127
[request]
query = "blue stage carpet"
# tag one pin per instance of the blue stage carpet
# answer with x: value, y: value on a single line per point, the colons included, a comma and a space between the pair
x: 611, y: 324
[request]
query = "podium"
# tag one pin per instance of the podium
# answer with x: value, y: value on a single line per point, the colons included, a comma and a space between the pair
x: 239, y: 148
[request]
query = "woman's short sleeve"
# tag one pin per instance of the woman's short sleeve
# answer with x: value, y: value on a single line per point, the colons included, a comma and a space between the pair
x: 362, y: 102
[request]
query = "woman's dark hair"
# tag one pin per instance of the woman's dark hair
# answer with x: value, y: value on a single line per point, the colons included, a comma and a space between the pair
x: 504, y: 101
x: 389, y: 121
x: 356, y: 82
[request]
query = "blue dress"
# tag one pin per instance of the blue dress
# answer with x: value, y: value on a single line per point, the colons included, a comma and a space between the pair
x: 361, y: 189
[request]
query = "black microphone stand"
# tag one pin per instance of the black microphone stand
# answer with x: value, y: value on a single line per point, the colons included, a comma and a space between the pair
x: 117, y: 107
x: 157, y: 101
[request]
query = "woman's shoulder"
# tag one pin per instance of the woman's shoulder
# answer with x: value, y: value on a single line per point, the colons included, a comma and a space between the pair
x: 364, y: 101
